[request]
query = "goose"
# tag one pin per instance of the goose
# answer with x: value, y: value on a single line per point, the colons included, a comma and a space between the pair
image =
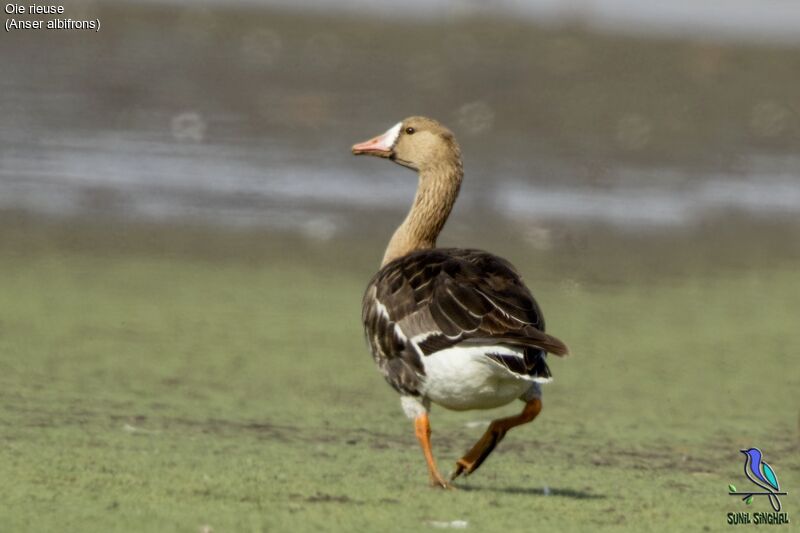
x: 450, y: 326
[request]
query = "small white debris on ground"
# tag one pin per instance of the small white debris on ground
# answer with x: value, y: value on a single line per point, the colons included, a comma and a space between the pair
x: 452, y: 524
x: 477, y: 423
x: 133, y: 429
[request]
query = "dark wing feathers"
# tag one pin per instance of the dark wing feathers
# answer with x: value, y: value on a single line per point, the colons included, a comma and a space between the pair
x: 434, y: 299
x: 435, y: 342
x: 454, y: 317
x: 394, y: 355
x: 536, y: 363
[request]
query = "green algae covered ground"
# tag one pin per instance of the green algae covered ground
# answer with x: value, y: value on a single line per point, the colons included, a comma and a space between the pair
x: 169, y: 382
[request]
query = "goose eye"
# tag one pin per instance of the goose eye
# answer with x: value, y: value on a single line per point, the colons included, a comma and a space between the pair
x: 410, y: 130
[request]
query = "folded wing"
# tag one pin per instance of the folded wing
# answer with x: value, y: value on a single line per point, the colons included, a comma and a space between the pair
x: 435, y: 299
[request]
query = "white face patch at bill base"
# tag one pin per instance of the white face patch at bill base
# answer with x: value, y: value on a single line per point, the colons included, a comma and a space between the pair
x: 380, y: 145
x: 387, y: 140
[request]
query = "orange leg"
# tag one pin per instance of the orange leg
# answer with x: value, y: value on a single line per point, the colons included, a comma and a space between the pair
x: 493, y: 435
x: 422, y: 427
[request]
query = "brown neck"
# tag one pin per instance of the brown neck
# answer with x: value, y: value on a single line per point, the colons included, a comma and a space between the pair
x: 436, y: 194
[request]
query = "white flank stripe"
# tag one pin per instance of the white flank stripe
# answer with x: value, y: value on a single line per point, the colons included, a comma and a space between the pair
x: 384, y: 313
x: 381, y: 309
x: 416, y: 339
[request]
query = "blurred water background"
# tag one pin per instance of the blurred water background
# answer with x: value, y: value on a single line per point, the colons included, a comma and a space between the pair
x: 574, y: 116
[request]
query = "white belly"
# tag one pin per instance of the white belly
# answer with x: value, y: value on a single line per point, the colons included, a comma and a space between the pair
x: 463, y: 377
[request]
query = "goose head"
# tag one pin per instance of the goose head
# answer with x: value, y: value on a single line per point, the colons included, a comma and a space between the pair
x: 418, y: 143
